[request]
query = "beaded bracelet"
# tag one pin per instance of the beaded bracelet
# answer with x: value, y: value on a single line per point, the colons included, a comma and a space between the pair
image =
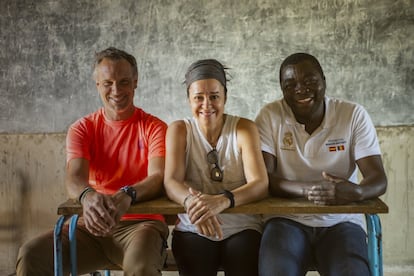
x: 186, y: 199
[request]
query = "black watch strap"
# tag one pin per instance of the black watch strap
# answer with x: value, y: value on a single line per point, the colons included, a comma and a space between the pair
x: 131, y: 192
x: 230, y: 196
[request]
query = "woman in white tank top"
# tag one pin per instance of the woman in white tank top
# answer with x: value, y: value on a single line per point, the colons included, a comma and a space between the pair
x: 214, y: 162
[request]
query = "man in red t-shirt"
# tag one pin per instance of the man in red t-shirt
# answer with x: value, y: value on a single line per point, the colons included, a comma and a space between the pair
x: 115, y: 158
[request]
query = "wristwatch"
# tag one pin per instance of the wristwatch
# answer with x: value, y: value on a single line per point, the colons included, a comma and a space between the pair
x: 131, y: 192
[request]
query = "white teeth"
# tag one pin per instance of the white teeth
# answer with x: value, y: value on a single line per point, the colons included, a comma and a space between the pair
x: 208, y: 113
x: 117, y: 100
x: 305, y: 100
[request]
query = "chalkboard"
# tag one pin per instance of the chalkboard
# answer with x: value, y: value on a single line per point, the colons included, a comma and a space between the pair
x: 47, y: 49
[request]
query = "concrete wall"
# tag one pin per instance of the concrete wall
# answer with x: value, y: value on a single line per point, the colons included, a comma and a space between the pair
x: 31, y: 186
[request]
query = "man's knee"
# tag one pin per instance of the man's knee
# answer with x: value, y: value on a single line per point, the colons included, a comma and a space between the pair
x: 147, y: 253
x: 146, y: 261
x: 142, y: 268
x: 32, y: 262
x: 24, y: 259
x: 343, y: 251
x: 284, y: 249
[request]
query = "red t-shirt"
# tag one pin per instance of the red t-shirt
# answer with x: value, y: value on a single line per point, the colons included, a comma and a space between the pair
x: 118, y: 151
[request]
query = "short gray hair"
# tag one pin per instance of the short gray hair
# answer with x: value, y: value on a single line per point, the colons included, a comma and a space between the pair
x: 115, y: 54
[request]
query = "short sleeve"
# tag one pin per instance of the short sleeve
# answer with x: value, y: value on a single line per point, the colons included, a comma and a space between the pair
x: 77, y: 141
x: 365, y: 140
x: 266, y: 130
x: 156, y: 138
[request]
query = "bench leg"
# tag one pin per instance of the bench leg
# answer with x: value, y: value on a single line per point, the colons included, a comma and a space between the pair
x: 57, y: 246
x: 72, y: 246
x: 72, y: 243
x: 374, y: 244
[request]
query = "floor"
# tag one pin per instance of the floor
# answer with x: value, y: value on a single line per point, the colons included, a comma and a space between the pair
x: 388, y: 271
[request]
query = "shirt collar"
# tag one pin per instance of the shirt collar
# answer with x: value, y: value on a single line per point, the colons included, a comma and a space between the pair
x: 328, y: 121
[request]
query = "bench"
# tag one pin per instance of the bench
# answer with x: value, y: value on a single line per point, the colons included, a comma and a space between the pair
x: 272, y: 205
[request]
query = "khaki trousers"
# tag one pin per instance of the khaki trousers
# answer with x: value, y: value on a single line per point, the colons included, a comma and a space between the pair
x: 138, y: 247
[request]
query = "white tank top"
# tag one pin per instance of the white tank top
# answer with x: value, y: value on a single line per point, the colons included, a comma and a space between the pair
x: 198, y: 174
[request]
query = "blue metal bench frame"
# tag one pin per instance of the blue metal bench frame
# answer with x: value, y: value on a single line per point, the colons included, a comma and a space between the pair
x: 374, y: 244
x: 373, y: 231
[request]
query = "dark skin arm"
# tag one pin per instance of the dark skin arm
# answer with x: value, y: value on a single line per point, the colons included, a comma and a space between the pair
x: 279, y: 186
x: 332, y: 190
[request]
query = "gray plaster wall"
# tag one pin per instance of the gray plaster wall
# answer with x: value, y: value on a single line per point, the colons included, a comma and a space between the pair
x: 47, y: 48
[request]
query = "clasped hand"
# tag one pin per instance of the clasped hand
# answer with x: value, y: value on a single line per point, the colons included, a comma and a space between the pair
x: 101, y: 213
x: 202, y: 209
x: 333, y: 190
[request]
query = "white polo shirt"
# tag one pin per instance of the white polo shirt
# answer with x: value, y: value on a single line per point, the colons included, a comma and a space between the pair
x: 345, y: 135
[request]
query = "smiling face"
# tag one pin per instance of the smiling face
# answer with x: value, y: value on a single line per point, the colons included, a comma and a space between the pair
x: 207, y: 100
x: 303, y: 86
x: 116, y: 83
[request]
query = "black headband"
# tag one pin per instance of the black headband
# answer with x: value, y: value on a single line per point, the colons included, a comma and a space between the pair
x: 205, y: 69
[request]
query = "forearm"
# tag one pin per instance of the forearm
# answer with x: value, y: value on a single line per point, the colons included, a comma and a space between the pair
x: 374, y: 182
x: 373, y: 186
x: 75, y: 185
x: 285, y: 188
x: 250, y: 192
x: 77, y: 177
x: 149, y: 188
x: 177, y: 191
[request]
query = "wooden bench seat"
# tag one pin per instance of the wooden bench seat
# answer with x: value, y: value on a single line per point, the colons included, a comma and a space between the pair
x: 272, y: 205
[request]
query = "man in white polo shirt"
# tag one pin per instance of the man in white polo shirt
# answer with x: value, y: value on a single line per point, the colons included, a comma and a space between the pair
x: 313, y: 146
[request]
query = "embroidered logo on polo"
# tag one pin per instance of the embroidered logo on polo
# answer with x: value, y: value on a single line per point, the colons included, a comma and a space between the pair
x: 336, y: 145
x: 141, y: 145
x: 288, y: 143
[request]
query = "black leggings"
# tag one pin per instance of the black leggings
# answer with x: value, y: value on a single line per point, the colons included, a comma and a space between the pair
x: 198, y: 256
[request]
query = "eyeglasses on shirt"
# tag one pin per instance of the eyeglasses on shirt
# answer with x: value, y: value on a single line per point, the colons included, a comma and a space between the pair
x: 216, y: 173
